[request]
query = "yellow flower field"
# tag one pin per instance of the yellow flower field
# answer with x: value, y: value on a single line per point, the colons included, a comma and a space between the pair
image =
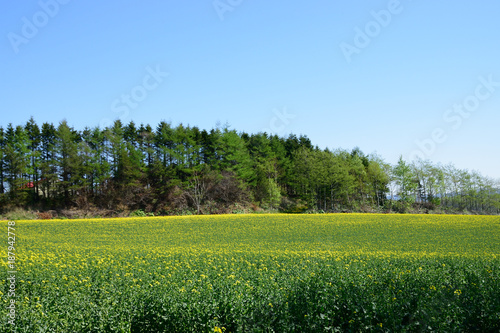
x: 256, y: 273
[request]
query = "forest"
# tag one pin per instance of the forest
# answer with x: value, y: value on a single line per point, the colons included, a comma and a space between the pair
x: 168, y: 170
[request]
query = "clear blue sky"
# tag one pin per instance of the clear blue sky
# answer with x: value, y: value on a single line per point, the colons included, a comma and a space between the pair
x: 381, y: 75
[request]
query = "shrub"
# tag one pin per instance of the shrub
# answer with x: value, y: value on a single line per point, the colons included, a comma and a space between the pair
x: 44, y: 215
x: 21, y: 214
x: 138, y: 213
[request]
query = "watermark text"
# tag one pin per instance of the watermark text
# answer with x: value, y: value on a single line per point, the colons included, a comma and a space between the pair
x: 11, y: 272
x: 455, y: 116
x: 31, y: 26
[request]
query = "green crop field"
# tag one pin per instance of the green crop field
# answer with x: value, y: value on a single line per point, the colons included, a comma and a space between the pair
x: 254, y: 273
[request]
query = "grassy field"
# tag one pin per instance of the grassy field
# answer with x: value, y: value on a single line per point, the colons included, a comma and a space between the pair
x: 256, y: 273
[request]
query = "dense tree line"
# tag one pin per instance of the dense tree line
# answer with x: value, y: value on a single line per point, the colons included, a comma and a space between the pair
x: 171, y: 169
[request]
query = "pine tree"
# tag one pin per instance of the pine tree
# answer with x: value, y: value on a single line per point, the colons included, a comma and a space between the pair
x: 48, y: 167
x: 16, y: 162
x: 405, y: 179
x: 235, y: 157
x: 34, y: 135
x: 68, y: 161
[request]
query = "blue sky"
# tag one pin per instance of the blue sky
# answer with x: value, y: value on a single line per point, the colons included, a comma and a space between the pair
x: 411, y: 78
